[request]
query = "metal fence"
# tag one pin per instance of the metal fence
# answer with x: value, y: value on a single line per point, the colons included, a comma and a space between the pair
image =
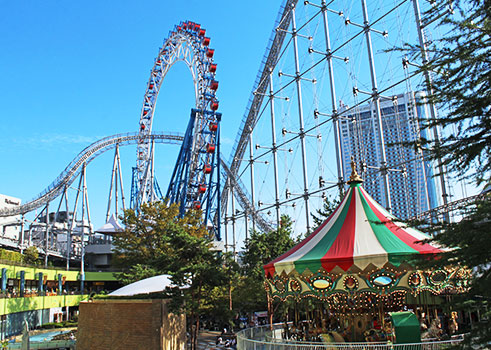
x: 53, y: 344
x: 263, y: 338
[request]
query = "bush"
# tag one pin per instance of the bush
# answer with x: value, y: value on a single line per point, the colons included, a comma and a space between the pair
x: 31, y: 255
x: 51, y: 325
x: 11, y: 256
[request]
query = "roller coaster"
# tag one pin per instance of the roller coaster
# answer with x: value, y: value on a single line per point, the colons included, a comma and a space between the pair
x: 316, y: 102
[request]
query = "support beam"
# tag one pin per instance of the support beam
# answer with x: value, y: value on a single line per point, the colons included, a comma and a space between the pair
x: 432, y: 107
x: 378, y: 113
x: 275, y: 151
x: 253, y: 193
x: 300, y: 119
x: 335, y: 119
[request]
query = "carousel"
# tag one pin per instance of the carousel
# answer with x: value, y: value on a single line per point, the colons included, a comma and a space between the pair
x: 359, y: 266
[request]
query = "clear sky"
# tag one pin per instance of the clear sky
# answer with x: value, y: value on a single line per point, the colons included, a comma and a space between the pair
x: 73, y: 72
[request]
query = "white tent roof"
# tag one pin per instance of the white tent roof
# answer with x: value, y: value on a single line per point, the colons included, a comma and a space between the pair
x: 112, y: 226
x: 148, y: 285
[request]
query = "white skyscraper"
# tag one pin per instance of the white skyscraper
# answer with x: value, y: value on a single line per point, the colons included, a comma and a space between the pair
x: 411, y: 182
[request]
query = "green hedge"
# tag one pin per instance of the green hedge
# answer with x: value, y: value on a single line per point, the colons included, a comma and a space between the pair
x: 11, y: 256
x: 64, y: 324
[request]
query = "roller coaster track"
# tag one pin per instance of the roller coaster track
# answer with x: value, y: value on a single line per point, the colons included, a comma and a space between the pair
x: 451, y: 207
x: 243, y: 198
x: 73, y: 169
x: 71, y: 172
x: 259, y: 91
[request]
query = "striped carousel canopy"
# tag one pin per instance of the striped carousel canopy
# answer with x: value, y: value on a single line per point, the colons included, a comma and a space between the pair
x: 358, y: 233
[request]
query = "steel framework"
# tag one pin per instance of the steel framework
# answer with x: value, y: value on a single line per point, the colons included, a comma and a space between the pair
x: 304, y: 43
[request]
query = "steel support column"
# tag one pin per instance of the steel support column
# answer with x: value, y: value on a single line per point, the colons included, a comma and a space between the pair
x: 335, y: 117
x: 433, y: 113
x: 376, y: 102
x: 253, y: 194
x: 275, y: 152
x: 300, y: 118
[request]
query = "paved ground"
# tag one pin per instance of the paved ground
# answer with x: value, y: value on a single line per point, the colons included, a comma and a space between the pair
x: 207, y: 340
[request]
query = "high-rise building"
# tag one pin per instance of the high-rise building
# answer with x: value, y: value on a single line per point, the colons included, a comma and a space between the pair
x: 411, y: 183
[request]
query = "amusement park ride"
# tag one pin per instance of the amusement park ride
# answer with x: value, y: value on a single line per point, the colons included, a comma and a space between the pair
x: 292, y: 121
x: 195, y: 180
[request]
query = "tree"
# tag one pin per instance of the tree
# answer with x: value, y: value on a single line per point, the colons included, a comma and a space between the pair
x: 31, y: 255
x: 327, y: 209
x: 158, y: 241
x: 260, y: 249
x: 460, y: 66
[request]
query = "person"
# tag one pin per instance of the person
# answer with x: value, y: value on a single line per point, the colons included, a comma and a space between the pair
x: 453, y: 326
x: 286, y: 331
x: 376, y: 324
x: 219, y: 340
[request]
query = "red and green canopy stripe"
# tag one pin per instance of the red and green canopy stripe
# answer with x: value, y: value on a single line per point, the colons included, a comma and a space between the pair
x: 358, y: 233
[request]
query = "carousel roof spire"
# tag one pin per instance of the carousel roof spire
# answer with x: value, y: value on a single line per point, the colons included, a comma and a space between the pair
x: 354, y: 178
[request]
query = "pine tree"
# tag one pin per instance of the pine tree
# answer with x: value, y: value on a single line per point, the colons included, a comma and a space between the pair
x: 460, y: 67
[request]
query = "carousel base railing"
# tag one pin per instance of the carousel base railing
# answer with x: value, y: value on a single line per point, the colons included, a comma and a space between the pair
x: 263, y: 338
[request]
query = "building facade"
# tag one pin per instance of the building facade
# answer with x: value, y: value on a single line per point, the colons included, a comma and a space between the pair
x: 10, y: 225
x: 411, y: 183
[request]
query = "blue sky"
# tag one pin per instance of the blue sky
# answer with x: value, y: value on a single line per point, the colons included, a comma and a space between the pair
x: 73, y: 72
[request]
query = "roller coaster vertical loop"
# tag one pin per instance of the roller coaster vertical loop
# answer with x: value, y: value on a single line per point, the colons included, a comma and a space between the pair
x: 194, y: 180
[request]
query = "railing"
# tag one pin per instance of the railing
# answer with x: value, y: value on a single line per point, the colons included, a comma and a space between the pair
x: 68, y: 175
x: 53, y: 344
x: 257, y: 339
x: 40, y: 266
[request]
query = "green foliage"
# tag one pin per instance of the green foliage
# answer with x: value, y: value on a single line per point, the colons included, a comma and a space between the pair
x: 54, y: 325
x: 157, y: 242
x: 31, y: 255
x: 470, y: 245
x: 10, y: 255
x: 136, y: 273
x: 460, y: 65
x: 327, y: 209
x: 260, y: 249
